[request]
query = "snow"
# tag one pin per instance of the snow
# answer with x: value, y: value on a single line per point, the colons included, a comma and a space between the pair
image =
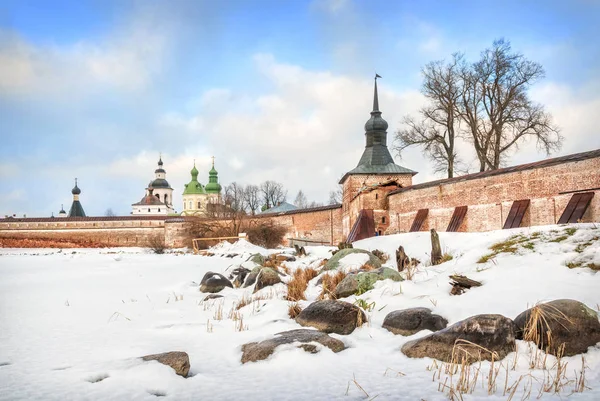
x: 73, y: 322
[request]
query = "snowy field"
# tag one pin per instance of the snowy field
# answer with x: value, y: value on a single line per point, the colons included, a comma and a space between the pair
x: 73, y: 322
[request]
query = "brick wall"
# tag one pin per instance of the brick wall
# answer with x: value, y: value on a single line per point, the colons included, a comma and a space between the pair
x: 489, y: 199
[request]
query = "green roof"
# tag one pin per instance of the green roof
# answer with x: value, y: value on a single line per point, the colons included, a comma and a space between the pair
x: 194, y: 187
x: 213, y: 186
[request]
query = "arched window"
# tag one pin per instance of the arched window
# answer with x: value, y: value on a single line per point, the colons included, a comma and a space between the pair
x: 148, y: 210
x: 199, y: 205
x: 383, y: 220
x: 376, y: 196
x: 166, y: 198
x: 157, y: 196
x: 190, y: 205
x: 159, y: 210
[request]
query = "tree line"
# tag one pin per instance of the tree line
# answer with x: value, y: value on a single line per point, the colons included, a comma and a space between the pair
x: 483, y: 103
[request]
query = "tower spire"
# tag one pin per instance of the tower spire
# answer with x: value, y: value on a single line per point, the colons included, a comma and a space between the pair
x: 213, y: 161
x: 375, y: 96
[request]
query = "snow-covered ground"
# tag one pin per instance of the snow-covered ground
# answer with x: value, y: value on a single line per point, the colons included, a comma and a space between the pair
x: 72, y: 322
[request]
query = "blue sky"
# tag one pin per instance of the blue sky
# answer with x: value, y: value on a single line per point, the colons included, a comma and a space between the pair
x: 274, y: 90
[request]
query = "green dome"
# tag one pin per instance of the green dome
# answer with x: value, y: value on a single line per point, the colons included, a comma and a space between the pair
x: 213, y: 186
x: 194, y: 187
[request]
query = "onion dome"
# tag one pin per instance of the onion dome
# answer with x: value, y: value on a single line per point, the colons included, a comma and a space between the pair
x: 76, y: 190
x: 194, y: 187
x: 160, y: 166
x: 213, y: 186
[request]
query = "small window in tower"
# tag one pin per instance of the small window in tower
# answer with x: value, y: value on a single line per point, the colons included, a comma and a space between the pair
x: 159, y: 210
x: 148, y: 210
x: 376, y: 196
x: 199, y: 205
x: 383, y: 220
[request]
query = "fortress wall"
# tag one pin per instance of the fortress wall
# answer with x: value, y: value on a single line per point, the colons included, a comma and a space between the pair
x: 489, y: 199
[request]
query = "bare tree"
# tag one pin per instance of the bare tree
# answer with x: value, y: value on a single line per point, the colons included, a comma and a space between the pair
x: 234, y: 196
x: 496, y: 108
x: 109, y: 213
x: 252, y: 198
x: 437, y: 130
x: 336, y: 196
x: 272, y: 193
x: 301, y: 202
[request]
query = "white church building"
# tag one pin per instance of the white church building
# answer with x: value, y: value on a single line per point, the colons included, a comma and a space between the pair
x: 159, y: 196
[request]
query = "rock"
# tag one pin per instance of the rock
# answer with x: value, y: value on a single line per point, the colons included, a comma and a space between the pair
x: 251, y: 277
x: 284, y: 258
x: 363, y: 281
x: 333, y: 263
x: 300, y: 251
x: 382, y: 256
x: 179, y: 361
x: 257, y: 258
x: 462, y: 283
x: 564, y: 321
x: 407, y: 322
x: 214, y: 282
x: 212, y: 296
x: 331, y: 316
x: 253, y: 352
x: 238, y: 275
x: 482, y: 336
x: 266, y: 278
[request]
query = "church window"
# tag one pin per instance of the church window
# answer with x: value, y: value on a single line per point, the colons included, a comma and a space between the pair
x: 199, y: 205
x: 383, y: 220
x: 166, y: 198
x: 190, y: 204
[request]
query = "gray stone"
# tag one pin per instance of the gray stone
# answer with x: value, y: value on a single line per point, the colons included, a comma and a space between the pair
x: 267, y: 277
x: 407, y: 322
x: 214, y: 282
x: 238, y: 275
x: 364, y: 280
x: 212, y: 296
x: 179, y: 361
x: 334, y: 262
x: 565, y: 322
x: 251, y: 277
x: 332, y: 316
x: 480, y: 337
x: 257, y: 258
x: 253, y: 352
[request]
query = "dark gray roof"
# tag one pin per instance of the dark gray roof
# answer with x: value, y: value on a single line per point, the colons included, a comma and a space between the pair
x: 282, y: 207
x: 376, y: 159
x: 160, y: 183
x: 76, y: 209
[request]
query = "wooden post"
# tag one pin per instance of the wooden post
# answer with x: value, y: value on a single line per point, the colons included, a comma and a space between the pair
x: 436, y: 249
x: 402, y: 260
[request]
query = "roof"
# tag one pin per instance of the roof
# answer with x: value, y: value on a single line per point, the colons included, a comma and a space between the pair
x: 376, y: 158
x: 149, y: 200
x: 76, y: 209
x: 491, y: 173
x: 160, y: 183
x: 282, y: 207
x: 295, y: 211
x: 90, y: 219
x: 194, y: 188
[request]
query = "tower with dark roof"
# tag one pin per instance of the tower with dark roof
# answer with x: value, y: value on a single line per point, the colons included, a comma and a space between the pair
x: 158, y: 199
x: 365, y: 187
x: 76, y: 208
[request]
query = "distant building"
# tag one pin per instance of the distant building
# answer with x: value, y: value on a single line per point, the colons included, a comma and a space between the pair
x: 62, y: 212
x: 197, y: 198
x: 159, y: 196
x: 281, y: 207
x: 76, y: 208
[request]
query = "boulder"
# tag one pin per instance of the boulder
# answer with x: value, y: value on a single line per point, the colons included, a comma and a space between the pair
x: 179, y: 361
x: 212, y: 296
x: 214, y: 282
x: 563, y: 321
x: 332, y: 316
x: 480, y: 337
x: 266, y: 278
x: 407, y: 322
x: 257, y: 258
x: 282, y: 257
x: 253, y: 352
x: 251, y: 277
x: 363, y: 281
x: 238, y: 275
x: 334, y: 262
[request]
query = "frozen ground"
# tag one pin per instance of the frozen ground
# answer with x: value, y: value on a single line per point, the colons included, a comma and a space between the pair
x: 73, y: 322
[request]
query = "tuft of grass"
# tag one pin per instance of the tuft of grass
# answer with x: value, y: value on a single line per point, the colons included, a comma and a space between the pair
x: 573, y: 264
x: 367, y: 267
x: 570, y: 231
x: 593, y: 266
x: 294, y: 310
x: 446, y: 258
x: 559, y: 239
x: 329, y: 283
x: 299, y: 283
x: 384, y: 257
x: 510, y: 245
x: 529, y: 245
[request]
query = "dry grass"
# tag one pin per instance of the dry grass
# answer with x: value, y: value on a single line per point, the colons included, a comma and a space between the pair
x: 367, y: 267
x: 329, y: 283
x: 294, y: 310
x: 299, y: 283
x: 538, y: 329
x: 384, y: 257
x: 446, y: 258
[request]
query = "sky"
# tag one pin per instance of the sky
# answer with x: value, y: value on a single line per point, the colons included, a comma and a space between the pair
x: 273, y: 90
